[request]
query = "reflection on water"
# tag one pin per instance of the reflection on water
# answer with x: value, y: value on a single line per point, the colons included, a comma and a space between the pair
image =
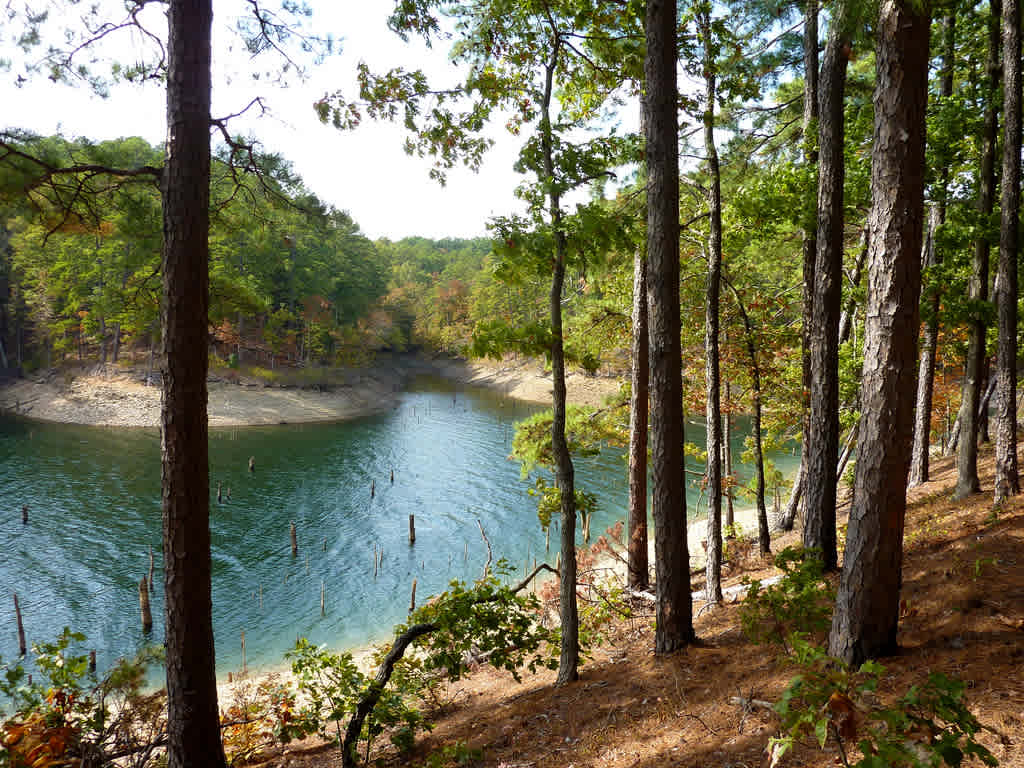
x: 94, y: 512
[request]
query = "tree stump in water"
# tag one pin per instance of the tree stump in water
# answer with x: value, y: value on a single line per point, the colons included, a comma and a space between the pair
x: 22, y: 649
x: 147, y: 615
x: 295, y: 542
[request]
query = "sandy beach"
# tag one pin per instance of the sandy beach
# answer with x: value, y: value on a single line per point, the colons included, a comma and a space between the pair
x: 118, y: 397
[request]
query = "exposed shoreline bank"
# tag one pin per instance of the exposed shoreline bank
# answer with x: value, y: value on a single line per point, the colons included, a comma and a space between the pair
x: 116, y: 397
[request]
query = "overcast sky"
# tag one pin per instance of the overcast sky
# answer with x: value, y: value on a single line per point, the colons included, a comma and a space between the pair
x: 364, y: 171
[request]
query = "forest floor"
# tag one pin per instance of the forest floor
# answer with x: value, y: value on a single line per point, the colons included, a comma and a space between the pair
x: 962, y: 614
x: 119, y: 396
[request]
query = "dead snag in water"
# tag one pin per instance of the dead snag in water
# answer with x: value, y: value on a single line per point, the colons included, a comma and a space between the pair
x: 412, y: 529
x: 295, y: 541
x: 147, y: 615
x: 490, y: 555
x: 252, y: 463
x: 22, y: 648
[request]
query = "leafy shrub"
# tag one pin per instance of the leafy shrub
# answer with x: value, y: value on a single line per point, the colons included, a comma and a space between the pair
x: 458, y: 755
x: 75, y: 717
x: 332, y: 686
x: 929, y: 726
x: 800, y: 602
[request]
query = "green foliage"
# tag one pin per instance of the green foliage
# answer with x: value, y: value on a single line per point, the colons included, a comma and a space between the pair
x: 801, y: 601
x: 927, y: 727
x: 331, y: 686
x: 486, y: 620
x: 549, y: 501
x: 457, y: 755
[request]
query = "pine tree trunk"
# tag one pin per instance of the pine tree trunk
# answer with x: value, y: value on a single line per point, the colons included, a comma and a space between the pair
x: 821, y: 441
x: 729, y: 512
x: 867, y: 605
x: 989, y: 384
x: 674, y: 620
x: 763, y: 535
x: 810, y: 243
x: 788, y: 518
x: 713, y: 569
x: 967, y: 425
x: 636, y: 547
x: 919, y: 453
x: 1007, y: 482
x: 193, y: 719
x: 568, y: 663
x: 919, y: 464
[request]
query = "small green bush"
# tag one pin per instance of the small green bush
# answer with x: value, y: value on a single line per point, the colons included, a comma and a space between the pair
x: 928, y: 727
x: 800, y: 602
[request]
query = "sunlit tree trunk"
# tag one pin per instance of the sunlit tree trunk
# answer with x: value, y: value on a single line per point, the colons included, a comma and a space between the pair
x: 713, y: 292
x: 729, y: 511
x: 1007, y: 482
x: 636, y: 546
x: 810, y: 245
x: 867, y: 604
x: 919, y: 458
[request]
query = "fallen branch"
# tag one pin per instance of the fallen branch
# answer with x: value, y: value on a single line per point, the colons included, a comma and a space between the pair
x: 751, y: 704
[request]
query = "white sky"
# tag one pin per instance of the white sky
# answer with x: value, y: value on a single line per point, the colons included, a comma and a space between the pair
x: 365, y: 171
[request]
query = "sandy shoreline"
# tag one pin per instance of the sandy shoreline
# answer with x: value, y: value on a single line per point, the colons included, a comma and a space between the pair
x: 118, y: 398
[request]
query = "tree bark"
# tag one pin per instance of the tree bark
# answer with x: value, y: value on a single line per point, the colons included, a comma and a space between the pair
x: 636, y: 548
x: 788, y: 518
x: 674, y: 628
x: 821, y: 442
x: 729, y: 512
x: 967, y: 481
x: 713, y: 569
x: 919, y: 464
x: 193, y: 719
x: 1007, y: 482
x: 810, y: 243
x: 763, y: 535
x: 569, y: 659
x: 867, y: 605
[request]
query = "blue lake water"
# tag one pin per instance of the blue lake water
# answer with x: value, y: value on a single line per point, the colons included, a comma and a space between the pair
x: 94, y: 499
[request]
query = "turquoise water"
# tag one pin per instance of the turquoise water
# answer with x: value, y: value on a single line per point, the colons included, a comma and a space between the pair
x: 94, y: 499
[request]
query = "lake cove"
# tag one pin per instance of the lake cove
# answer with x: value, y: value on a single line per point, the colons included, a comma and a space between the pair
x: 94, y: 513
